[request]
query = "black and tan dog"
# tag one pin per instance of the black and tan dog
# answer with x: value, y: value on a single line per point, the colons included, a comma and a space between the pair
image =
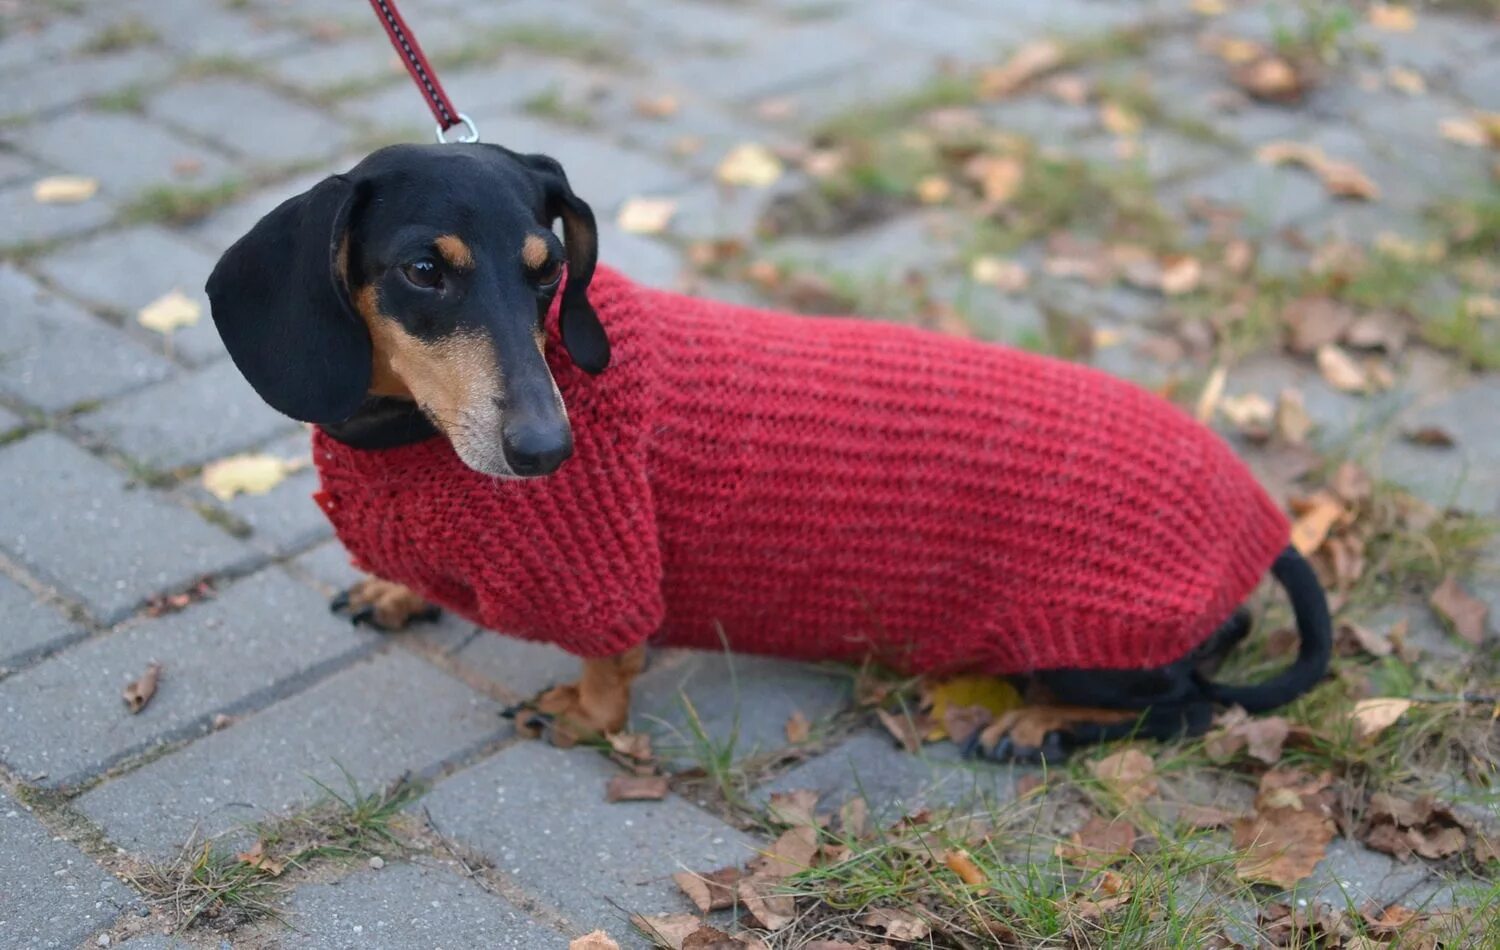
x: 406, y: 300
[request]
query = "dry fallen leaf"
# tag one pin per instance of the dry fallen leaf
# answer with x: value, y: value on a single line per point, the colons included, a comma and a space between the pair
x: 1341, y: 179
x: 750, y: 165
x: 1373, y: 716
x: 765, y: 908
x: 1293, y: 424
x: 712, y: 891
x: 670, y: 929
x: 1462, y: 610
x: 598, y: 940
x: 853, y: 817
x: 902, y: 728
x: 789, y: 854
x: 999, y: 176
x: 1262, y: 737
x: 1098, y: 844
x: 1282, y: 845
x: 1029, y: 62
x: 1312, y: 322
x: 1250, y: 412
x: 961, y: 863
x: 934, y: 190
x: 1311, y: 528
x: 139, y: 691
x: 1464, y: 131
x: 1209, y: 7
x: 257, y: 858
x: 898, y: 925
x: 797, y: 728
x: 253, y: 474
x: 1118, y: 120
x: 1205, y: 816
x: 636, y: 788
x: 646, y: 215
x: 1271, y: 78
x: 64, y: 190
x: 1004, y: 275
x: 1180, y: 275
x: 1405, y: 80
x: 1129, y: 773
x: 168, y: 312
x: 795, y: 808
x: 990, y: 693
x: 1392, y: 18
x: 1340, y: 371
x: 657, y: 107
x: 1431, y: 436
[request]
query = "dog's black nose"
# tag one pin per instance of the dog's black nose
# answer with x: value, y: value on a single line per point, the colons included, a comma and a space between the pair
x: 532, y: 450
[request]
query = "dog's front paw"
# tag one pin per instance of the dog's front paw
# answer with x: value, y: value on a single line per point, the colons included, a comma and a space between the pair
x: 1036, y: 734
x: 384, y: 605
x: 564, y: 717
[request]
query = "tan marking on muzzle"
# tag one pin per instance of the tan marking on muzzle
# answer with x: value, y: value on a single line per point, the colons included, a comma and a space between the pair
x: 534, y: 251
x: 455, y: 251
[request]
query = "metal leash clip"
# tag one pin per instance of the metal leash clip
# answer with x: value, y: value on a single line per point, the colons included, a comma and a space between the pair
x: 470, y: 131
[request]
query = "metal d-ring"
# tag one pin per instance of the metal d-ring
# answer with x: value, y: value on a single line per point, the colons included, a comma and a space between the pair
x: 470, y: 133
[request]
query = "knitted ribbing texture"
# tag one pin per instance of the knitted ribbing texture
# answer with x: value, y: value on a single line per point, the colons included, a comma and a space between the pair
x: 828, y: 488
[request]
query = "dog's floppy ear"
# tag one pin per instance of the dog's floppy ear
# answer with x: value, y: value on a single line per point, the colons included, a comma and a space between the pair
x: 280, y: 301
x: 582, y: 334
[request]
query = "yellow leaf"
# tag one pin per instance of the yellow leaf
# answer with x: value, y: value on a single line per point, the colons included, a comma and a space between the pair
x: 995, y: 695
x: 1340, y: 370
x: 169, y: 311
x: 1464, y: 132
x: 1406, y: 80
x: 1374, y: 716
x: 934, y: 189
x: 1005, y: 275
x: 750, y: 165
x: 1209, y: 7
x: 1311, y: 528
x: 64, y: 190
x: 253, y: 474
x: 1391, y: 18
x: 1252, y: 410
x: 646, y: 215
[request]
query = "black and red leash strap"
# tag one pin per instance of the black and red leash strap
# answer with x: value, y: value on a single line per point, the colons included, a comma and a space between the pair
x: 421, y: 73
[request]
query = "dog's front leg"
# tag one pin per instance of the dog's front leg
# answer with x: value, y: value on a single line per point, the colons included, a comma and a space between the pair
x: 383, y: 604
x: 598, y: 704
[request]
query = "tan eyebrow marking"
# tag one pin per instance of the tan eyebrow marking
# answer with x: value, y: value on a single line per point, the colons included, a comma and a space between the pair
x: 534, y: 251
x: 455, y: 251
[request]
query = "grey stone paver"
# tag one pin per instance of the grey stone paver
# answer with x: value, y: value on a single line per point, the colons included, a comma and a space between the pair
x: 55, y: 896
x: 87, y: 143
x: 73, y: 520
x: 31, y: 627
x: 405, y: 905
x: 531, y: 803
x: 45, y: 343
x: 261, y: 125
x: 195, y: 418
x: 122, y: 271
x: 206, y: 31
x: 257, y: 639
x: 509, y: 667
x: 229, y: 224
x: 64, y: 81
x: 268, y: 763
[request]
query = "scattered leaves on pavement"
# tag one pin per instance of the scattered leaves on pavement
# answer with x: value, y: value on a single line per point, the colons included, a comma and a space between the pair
x: 766, y: 908
x: 1340, y: 178
x: 902, y: 728
x: 172, y: 310
x: 657, y: 107
x: 138, y: 692
x: 1392, y: 18
x: 1290, y: 831
x: 1425, y: 827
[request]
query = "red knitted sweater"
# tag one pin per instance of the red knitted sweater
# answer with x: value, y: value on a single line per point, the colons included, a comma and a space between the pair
x: 826, y: 488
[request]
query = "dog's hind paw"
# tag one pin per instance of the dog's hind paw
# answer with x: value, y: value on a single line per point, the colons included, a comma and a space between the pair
x: 1035, y: 734
x: 384, y: 605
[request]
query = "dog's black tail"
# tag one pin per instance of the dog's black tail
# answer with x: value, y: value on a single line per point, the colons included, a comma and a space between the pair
x: 1310, y: 607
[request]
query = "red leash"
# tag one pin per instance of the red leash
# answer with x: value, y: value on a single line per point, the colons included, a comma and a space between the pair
x: 421, y: 73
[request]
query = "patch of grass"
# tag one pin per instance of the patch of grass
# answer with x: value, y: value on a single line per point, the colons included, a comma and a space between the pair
x: 541, y: 38
x: 1128, y: 42
x: 1473, y: 339
x: 223, y: 65
x: 125, y: 34
x: 1322, y: 31
x: 128, y: 99
x: 180, y: 204
x: 552, y: 105
x: 872, y: 120
x: 344, y: 824
x: 206, y: 885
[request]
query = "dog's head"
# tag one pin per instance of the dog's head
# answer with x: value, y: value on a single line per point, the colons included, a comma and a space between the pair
x: 424, y: 273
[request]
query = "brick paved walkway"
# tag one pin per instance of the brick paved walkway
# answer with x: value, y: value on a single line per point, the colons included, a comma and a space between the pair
x: 197, y: 116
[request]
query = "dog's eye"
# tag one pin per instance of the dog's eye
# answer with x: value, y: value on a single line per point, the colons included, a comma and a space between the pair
x: 423, y: 273
x: 549, y: 273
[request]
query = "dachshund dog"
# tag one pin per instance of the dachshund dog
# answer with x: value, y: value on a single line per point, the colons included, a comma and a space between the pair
x: 562, y: 455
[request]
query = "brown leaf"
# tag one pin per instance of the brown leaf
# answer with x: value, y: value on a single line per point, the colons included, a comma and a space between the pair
x: 1351, y: 482
x: 1098, y: 844
x: 797, y: 728
x: 795, y: 807
x: 1486, y: 849
x: 138, y: 692
x: 657, y: 107
x: 1031, y: 61
x: 790, y: 854
x: 1462, y: 610
x: 765, y: 908
x: 897, y: 924
x: 598, y: 940
x: 1380, y: 330
x: 1293, y: 424
x: 853, y: 818
x: 902, y: 728
x: 1352, y: 639
x: 1262, y: 737
x: 1271, y: 78
x: 1205, y: 816
x: 257, y: 858
x: 999, y: 176
x: 1431, y: 436
x: 632, y: 745
x: 1311, y: 528
x: 668, y: 930
x: 960, y: 863
x: 1340, y: 371
x: 1340, y: 179
x: 1373, y: 716
x: 711, y: 891
x: 636, y: 788
x: 1282, y: 845
x: 1392, y: 18
x: 1312, y: 322
x: 1441, y: 843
